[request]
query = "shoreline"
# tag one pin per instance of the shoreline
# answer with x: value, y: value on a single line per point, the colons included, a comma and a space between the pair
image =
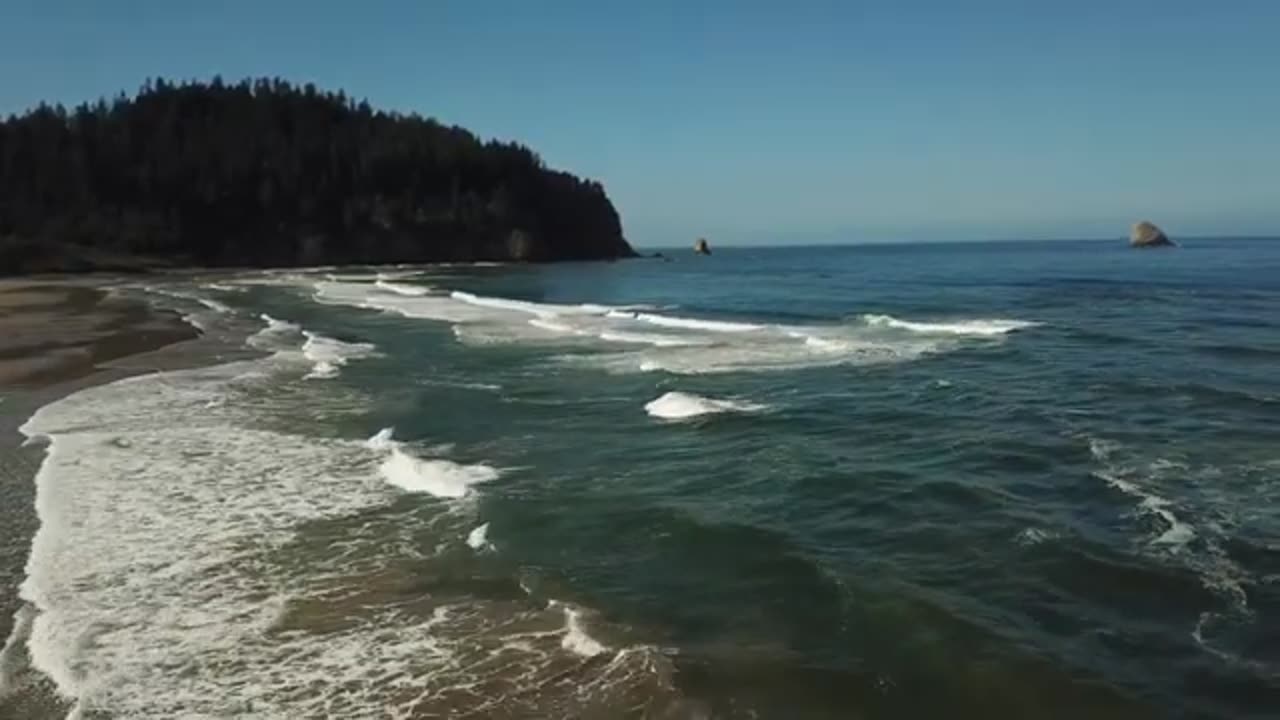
x: 58, y: 337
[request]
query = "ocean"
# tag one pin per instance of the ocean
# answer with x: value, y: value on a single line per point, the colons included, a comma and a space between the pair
x: 999, y: 480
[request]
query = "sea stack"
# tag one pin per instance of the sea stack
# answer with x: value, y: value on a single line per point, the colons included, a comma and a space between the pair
x: 701, y: 247
x: 1146, y: 235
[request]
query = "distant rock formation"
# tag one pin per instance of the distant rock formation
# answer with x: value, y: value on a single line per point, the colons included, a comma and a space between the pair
x: 1145, y: 235
x: 701, y: 247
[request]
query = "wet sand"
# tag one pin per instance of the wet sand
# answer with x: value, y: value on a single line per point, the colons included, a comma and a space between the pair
x: 56, y: 337
x: 52, y: 332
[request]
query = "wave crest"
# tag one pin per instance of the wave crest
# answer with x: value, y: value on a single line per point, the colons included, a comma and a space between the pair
x: 975, y: 327
x: 436, y: 477
x: 681, y: 405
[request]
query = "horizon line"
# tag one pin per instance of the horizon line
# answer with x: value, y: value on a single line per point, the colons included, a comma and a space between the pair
x: 963, y: 241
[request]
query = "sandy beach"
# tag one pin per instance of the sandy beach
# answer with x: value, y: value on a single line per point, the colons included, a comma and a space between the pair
x: 58, y: 336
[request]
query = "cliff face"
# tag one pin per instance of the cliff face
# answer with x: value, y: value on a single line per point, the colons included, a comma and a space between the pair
x: 265, y: 173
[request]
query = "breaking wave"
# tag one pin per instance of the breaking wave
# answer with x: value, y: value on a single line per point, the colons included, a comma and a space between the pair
x: 198, y: 578
x: 330, y: 355
x: 680, y: 406
x: 979, y: 328
x: 402, y: 289
x: 637, y: 339
x: 438, y: 477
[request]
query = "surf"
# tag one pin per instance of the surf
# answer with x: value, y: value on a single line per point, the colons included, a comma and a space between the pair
x: 434, y: 476
x: 681, y: 406
x: 685, y: 345
x: 980, y: 327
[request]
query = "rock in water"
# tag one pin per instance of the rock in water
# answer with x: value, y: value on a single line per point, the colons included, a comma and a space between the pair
x: 701, y: 247
x: 1145, y: 234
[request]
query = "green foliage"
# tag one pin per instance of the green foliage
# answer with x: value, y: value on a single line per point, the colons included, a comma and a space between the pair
x: 266, y: 173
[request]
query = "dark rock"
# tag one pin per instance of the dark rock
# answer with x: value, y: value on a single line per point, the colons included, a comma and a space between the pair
x: 1145, y: 235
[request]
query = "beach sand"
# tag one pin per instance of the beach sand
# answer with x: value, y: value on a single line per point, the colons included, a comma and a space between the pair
x: 58, y: 336
x: 51, y: 332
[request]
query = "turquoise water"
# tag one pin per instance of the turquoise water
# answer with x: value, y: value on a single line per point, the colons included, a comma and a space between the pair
x: 996, y: 480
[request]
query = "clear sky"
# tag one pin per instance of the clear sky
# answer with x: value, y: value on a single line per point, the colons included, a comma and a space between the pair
x: 767, y: 122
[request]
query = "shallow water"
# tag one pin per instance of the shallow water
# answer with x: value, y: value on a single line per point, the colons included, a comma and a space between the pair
x: 999, y: 480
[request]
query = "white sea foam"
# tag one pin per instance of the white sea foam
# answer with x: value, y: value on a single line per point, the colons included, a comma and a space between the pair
x: 438, y: 477
x: 478, y: 538
x: 1034, y: 536
x: 555, y: 327
x: 146, y: 570
x: 224, y: 287
x: 522, y: 306
x: 978, y: 327
x: 1176, y: 533
x: 330, y: 355
x: 289, y: 343
x: 13, y: 654
x: 203, y: 319
x: 441, y: 478
x: 648, y: 338
x: 382, y: 440
x: 176, y: 558
x: 402, y: 289
x: 1199, y: 547
x: 681, y: 405
x: 277, y: 336
x: 462, y: 384
x: 214, y: 305
x: 718, y: 326
x: 685, y: 345
x: 576, y: 639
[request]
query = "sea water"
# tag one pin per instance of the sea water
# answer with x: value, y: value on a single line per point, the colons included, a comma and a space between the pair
x: 981, y: 480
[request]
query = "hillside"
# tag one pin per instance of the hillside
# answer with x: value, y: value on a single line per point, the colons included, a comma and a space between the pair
x: 264, y: 173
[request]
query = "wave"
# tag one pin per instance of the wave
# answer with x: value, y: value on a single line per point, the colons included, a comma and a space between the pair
x: 382, y: 440
x: 214, y: 305
x: 478, y: 538
x: 664, y: 342
x: 402, y: 289
x: 718, y: 326
x: 127, y: 620
x: 325, y: 355
x: 202, y: 319
x: 330, y: 355
x: 119, y: 595
x: 224, y: 287
x: 461, y: 384
x: 655, y: 339
x: 542, y: 310
x: 980, y: 327
x: 555, y: 327
x: 1199, y: 548
x: 576, y: 638
x: 1176, y: 533
x: 440, y: 478
x: 680, y: 405
x: 277, y: 336
x: 1031, y: 536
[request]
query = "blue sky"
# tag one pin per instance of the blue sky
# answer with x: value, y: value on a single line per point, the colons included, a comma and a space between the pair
x: 767, y: 122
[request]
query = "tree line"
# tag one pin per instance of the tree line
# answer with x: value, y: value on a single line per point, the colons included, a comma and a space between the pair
x: 266, y: 173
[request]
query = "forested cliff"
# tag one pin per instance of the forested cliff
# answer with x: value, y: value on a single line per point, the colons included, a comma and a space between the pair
x: 264, y: 173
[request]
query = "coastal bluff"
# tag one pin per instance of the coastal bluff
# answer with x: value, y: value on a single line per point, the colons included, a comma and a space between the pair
x: 264, y: 173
